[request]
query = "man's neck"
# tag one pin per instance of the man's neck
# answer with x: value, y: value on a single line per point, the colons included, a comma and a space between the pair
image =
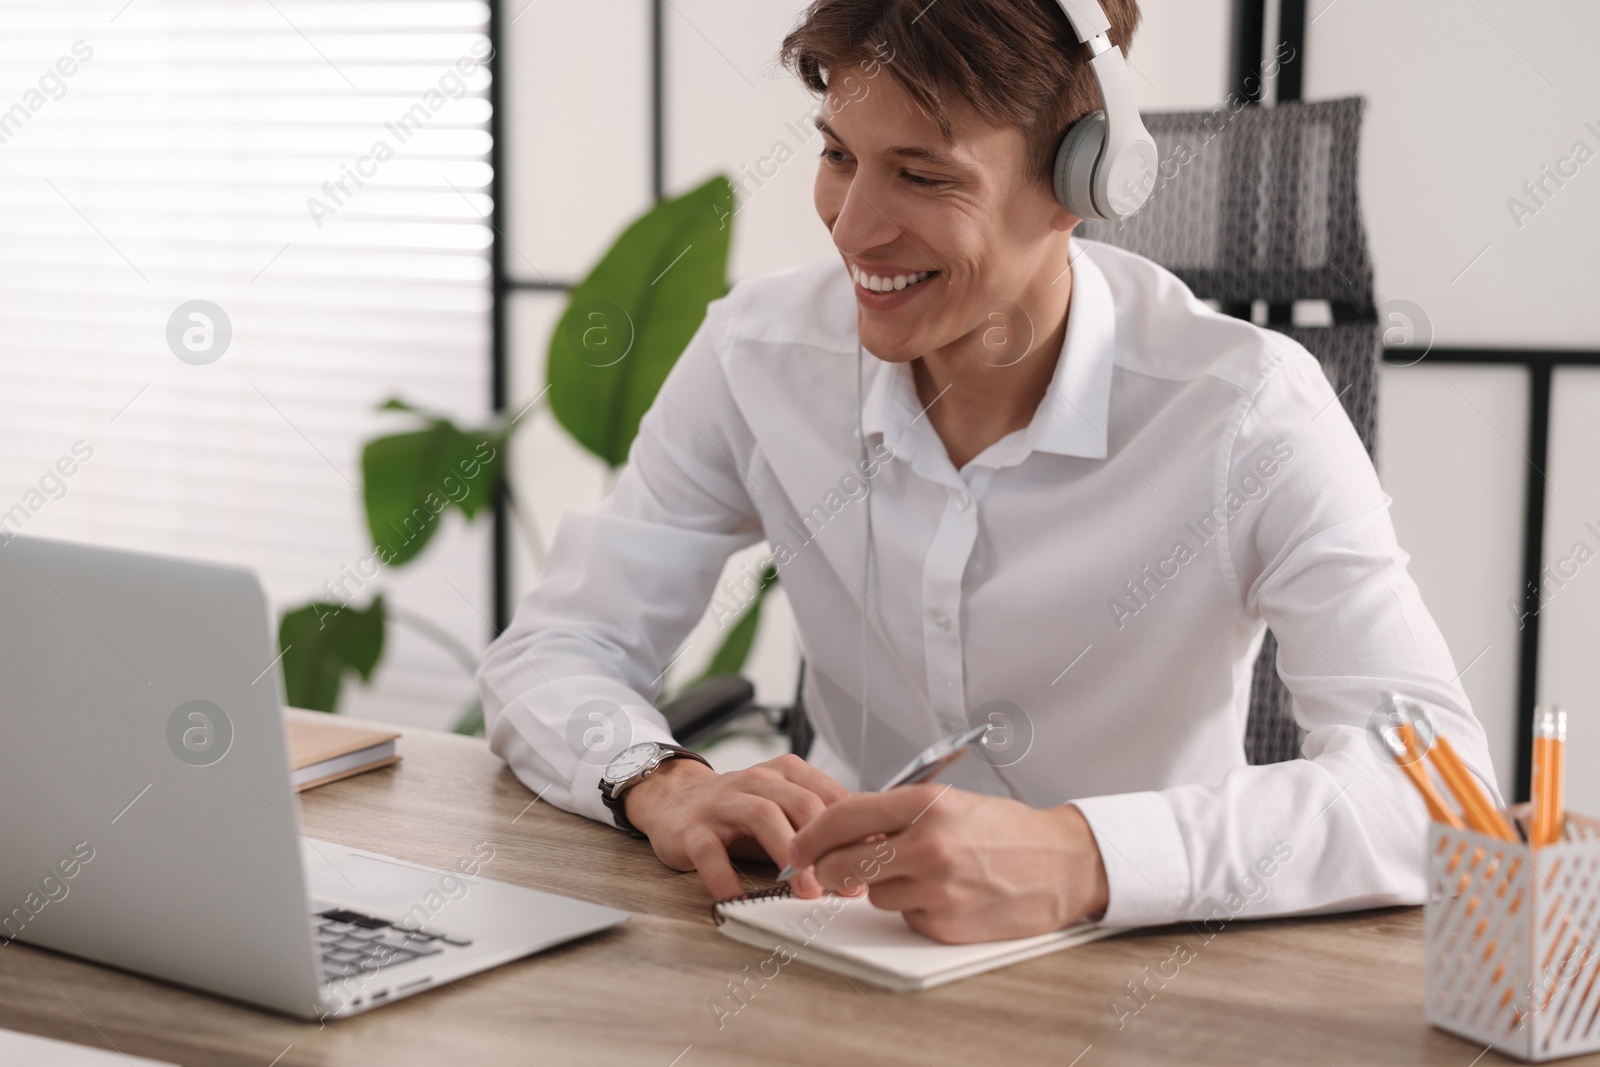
x: 980, y: 389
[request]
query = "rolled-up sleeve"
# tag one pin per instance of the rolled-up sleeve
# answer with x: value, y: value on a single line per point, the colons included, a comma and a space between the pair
x: 571, y: 682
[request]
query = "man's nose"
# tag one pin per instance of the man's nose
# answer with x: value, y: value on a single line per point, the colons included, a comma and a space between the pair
x: 862, y: 224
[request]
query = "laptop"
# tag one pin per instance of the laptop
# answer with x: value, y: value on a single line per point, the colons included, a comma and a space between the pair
x: 148, y: 822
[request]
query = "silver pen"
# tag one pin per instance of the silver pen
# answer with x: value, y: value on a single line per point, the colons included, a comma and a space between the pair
x: 929, y: 762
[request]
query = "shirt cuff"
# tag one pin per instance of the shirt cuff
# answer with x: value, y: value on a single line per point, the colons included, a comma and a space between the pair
x: 1147, y: 866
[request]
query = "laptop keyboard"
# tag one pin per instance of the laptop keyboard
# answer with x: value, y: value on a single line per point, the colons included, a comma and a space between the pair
x: 353, y: 944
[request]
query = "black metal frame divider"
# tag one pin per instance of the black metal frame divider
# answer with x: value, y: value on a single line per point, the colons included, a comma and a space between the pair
x: 503, y: 283
x: 1541, y: 365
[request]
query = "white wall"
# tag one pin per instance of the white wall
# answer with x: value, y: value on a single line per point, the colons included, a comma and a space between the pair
x: 1444, y: 457
x: 185, y: 158
x: 1568, y: 672
x: 1466, y: 102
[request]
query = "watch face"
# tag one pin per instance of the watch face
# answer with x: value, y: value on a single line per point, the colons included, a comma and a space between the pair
x: 631, y: 761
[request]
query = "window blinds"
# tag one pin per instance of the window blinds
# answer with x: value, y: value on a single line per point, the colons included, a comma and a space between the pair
x: 229, y: 229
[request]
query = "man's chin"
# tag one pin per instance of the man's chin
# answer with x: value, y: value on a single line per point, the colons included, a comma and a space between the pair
x: 892, y: 345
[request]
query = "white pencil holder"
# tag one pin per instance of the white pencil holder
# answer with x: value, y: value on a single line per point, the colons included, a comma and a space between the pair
x: 1513, y: 941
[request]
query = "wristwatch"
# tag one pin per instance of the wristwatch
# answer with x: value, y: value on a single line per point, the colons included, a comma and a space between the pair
x: 632, y: 766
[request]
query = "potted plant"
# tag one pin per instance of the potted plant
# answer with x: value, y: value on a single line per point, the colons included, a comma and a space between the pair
x: 623, y: 329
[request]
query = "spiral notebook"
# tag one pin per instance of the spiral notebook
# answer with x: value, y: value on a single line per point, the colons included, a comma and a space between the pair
x: 849, y: 936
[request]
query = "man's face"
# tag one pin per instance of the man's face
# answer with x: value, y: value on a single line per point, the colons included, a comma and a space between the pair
x: 965, y: 217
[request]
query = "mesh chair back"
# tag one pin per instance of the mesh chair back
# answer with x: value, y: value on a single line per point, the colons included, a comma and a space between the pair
x: 1258, y: 204
x: 1261, y: 204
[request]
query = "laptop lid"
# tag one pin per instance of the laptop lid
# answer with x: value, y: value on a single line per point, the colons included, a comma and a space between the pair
x: 146, y: 817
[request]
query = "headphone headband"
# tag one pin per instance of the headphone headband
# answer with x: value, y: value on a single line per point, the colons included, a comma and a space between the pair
x: 1087, y: 17
x: 1106, y: 165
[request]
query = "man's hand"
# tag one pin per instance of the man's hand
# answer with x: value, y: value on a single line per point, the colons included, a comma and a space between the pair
x: 696, y: 818
x: 964, y: 867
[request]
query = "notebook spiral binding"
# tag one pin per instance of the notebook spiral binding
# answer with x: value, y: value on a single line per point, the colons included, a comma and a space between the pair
x: 783, y: 890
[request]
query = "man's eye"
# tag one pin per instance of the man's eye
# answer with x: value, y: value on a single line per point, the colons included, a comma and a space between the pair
x: 917, y: 179
x: 833, y: 155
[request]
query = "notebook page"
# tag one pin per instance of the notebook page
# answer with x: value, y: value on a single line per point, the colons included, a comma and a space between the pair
x: 853, y: 928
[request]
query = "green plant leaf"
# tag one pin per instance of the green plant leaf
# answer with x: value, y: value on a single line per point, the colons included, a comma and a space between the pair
x: 410, y: 479
x: 631, y: 318
x: 735, y: 649
x: 471, y: 721
x: 323, y: 641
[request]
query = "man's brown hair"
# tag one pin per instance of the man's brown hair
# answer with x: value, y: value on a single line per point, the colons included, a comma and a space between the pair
x: 1017, y: 62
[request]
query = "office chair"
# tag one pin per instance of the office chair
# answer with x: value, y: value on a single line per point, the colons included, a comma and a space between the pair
x: 1257, y: 205
x: 1261, y: 205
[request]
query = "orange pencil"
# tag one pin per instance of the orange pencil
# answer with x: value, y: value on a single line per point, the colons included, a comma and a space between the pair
x: 1480, y: 814
x: 1558, y: 777
x: 1403, y: 745
x: 1549, y: 767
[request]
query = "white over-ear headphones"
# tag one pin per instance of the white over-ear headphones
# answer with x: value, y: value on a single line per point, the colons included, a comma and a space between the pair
x: 1106, y: 165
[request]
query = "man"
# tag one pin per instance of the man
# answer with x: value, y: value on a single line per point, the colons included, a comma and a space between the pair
x: 1084, y: 496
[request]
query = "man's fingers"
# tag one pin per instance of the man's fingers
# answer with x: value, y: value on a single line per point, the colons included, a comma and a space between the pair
x: 762, y: 819
x: 760, y: 808
x: 716, y: 870
x: 860, y: 816
x: 769, y: 824
x: 856, y: 865
x: 800, y: 804
x: 804, y: 774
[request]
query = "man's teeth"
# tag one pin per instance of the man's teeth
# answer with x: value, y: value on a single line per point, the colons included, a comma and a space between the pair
x: 880, y: 284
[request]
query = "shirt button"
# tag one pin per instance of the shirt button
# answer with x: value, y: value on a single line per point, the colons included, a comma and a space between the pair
x: 941, y: 620
x: 963, y: 501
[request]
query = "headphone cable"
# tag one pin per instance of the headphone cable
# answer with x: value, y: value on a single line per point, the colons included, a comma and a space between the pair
x: 866, y: 568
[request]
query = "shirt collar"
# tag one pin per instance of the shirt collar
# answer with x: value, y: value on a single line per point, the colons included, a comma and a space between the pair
x: 1071, y: 420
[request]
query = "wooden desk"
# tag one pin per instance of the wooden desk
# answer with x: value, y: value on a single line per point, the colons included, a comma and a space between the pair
x: 1344, y: 991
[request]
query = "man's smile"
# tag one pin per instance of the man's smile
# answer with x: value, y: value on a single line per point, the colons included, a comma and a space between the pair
x: 884, y: 288
x: 884, y: 280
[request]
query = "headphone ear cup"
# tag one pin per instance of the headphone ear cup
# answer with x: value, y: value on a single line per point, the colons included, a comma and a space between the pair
x: 1076, y: 160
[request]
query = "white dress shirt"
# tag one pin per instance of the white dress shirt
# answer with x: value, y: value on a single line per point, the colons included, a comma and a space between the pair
x: 1100, y: 580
